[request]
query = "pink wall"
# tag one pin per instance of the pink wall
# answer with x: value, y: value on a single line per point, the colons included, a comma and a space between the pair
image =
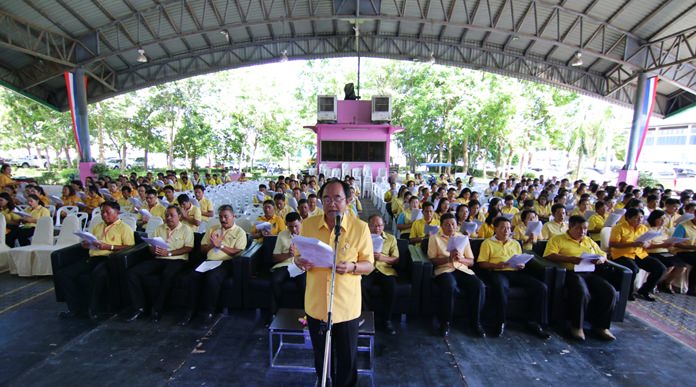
x: 354, y: 112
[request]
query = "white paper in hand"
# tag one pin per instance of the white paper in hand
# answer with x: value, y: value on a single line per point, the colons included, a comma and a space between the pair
x: 519, y: 259
x: 135, y: 202
x: 612, y: 219
x: 21, y: 213
x: 294, y: 270
x: 263, y: 226
x: 470, y: 227
x: 648, y: 236
x: 416, y: 214
x: 260, y: 196
x: 313, y: 250
x: 587, y: 262
x: 157, y: 242
x: 676, y: 240
x: 89, y: 238
x: 145, y: 212
x: 457, y: 242
x: 207, y: 266
x: 164, y: 202
x: 684, y: 218
x: 431, y: 230
x: 533, y: 228
x: 508, y: 216
x: 56, y: 200
x: 377, y: 243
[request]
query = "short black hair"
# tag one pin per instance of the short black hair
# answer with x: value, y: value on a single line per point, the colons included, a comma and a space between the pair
x: 110, y: 203
x: 575, y: 220
x: 292, y: 216
x: 557, y: 207
x: 500, y: 219
x: 183, y: 198
x: 198, y: 186
x: 447, y: 215
x: 271, y: 202
x: 344, y: 185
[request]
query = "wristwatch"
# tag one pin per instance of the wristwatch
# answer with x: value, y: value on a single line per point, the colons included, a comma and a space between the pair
x: 112, y: 247
x: 222, y: 247
x: 355, y: 267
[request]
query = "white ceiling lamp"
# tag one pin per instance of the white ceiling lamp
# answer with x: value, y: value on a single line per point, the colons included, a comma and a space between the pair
x: 284, y: 56
x: 432, y: 59
x: 141, y: 56
x: 577, y: 60
x: 226, y: 35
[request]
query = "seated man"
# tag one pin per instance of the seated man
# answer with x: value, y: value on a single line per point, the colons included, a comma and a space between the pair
x: 453, y: 274
x: 313, y: 205
x: 190, y: 214
x: 153, y: 206
x: 260, y: 196
x: 597, y: 220
x: 493, y: 257
x: 283, y: 254
x: 417, y: 232
x: 183, y: 184
x: 303, y: 208
x: 124, y: 201
x: 204, y: 203
x: 169, y: 195
x: 167, y: 263
x: 113, y: 235
x: 277, y: 224
x: 282, y: 209
x: 383, y: 276
x: 220, y: 243
x: 588, y: 293
x: 557, y: 226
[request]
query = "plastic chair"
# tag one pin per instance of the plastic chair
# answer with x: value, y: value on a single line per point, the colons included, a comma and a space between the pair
x: 4, y: 249
x: 95, y: 220
x: 67, y: 210
x: 83, y: 219
x: 41, y: 259
x: 21, y: 257
x: 604, y: 236
x: 152, y: 225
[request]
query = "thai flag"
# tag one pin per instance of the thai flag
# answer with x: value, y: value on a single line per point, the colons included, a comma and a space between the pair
x: 647, y: 109
x: 74, y: 113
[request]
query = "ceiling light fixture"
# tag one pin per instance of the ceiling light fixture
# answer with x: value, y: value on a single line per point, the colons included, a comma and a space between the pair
x: 432, y: 58
x: 141, y: 56
x: 226, y: 34
x: 577, y: 60
x: 284, y: 56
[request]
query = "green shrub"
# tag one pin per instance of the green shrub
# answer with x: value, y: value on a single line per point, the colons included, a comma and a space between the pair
x: 646, y: 179
x: 100, y: 169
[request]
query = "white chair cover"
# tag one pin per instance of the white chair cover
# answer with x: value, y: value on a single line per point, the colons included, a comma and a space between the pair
x: 21, y: 258
x: 4, y: 249
x: 152, y: 225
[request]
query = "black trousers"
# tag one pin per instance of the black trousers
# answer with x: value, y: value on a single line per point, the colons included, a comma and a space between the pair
x: 11, y: 237
x: 344, y: 350
x: 652, y: 265
x: 91, y: 275
x: 167, y: 269
x: 500, y: 282
x: 278, y: 277
x: 211, y: 282
x: 23, y: 235
x: 669, y: 260
x: 458, y: 282
x: 690, y: 258
x: 589, y: 294
x: 387, y: 285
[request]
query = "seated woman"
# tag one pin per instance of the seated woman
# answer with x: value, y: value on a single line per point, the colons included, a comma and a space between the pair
x: 36, y: 210
x: 12, y: 218
x: 495, y: 252
x: 453, y: 274
x: 461, y: 215
x: 659, y: 248
x: 93, y: 200
x: 69, y: 196
x: 418, y: 232
x: 487, y: 229
x: 588, y: 293
x: 167, y: 263
x: 405, y: 219
x: 597, y: 220
x: 543, y: 208
x: 557, y: 226
x: 520, y: 232
x: 442, y: 207
x: 626, y: 251
x: 686, y: 251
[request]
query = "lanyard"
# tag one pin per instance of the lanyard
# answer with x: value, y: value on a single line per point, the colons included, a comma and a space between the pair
x: 107, y: 228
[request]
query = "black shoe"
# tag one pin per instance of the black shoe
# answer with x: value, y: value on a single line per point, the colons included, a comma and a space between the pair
x: 444, y: 329
x: 156, y: 316
x: 186, y: 320
x: 478, y: 331
x: 692, y: 294
x: 631, y: 297
x: 645, y: 295
x: 207, y: 322
x: 92, y: 314
x: 666, y: 289
x: 538, y: 331
x: 137, y: 313
x: 389, y: 327
x: 498, y: 331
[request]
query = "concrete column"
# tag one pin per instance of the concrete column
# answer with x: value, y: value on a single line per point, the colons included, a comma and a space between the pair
x: 628, y: 173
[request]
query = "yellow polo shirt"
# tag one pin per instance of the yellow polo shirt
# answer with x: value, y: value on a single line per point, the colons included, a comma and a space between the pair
x: 205, y: 205
x: 520, y: 235
x: 437, y: 247
x: 157, y: 210
x: 390, y: 249
x: 418, y: 227
x: 181, y: 187
x: 116, y: 195
x: 126, y: 205
x: 552, y: 228
x: 596, y: 222
x: 180, y: 237
x: 355, y: 245
x: 486, y: 231
x: 233, y: 237
x: 195, y: 212
x: 317, y: 211
x: 70, y: 200
x: 286, y: 210
x: 565, y: 245
x: 282, y: 246
x: 37, y: 213
x: 5, y: 181
x: 495, y: 251
x: 117, y: 233
x: 11, y: 217
x: 277, y: 225
x: 669, y: 221
x: 92, y: 202
x: 543, y: 211
x: 625, y: 233
x: 511, y: 210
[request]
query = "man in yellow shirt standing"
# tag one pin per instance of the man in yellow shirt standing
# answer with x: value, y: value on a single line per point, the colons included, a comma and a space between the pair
x: 113, y: 235
x: 493, y: 257
x: 626, y: 251
x: 588, y: 293
x: 383, y: 276
x: 354, y: 258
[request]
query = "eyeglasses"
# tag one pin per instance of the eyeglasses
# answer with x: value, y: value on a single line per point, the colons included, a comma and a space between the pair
x: 337, y: 199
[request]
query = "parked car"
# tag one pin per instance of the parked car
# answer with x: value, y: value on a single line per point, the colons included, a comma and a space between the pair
x: 31, y: 161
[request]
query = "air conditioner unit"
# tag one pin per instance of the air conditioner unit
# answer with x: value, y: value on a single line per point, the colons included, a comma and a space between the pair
x: 326, y: 108
x: 381, y: 108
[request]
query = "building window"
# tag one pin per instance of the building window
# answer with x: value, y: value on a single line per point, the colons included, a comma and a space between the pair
x: 671, y: 140
x: 650, y: 141
x: 364, y: 151
x: 692, y: 140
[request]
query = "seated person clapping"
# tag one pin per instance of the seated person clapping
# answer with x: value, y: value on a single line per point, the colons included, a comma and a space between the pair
x: 190, y: 214
x: 283, y: 254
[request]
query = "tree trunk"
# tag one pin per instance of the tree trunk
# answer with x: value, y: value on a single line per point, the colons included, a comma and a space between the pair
x: 124, y: 152
x: 170, y: 153
x: 48, y: 158
x: 66, y: 148
x: 442, y: 145
x: 449, y: 152
x: 465, y: 154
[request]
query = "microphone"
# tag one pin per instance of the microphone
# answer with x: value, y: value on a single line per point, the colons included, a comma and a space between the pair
x: 337, y: 229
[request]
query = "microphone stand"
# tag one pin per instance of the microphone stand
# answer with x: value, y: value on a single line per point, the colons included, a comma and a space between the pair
x: 329, y: 322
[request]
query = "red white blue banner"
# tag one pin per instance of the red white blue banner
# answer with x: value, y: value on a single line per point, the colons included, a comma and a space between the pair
x: 646, y: 109
x: 74, y: 113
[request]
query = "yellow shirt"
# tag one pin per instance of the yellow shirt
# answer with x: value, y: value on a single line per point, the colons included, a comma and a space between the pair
x: 92, y: 202
x: 510, y: 210
x: 625, y: 233
x: 205, y: 205
x: 437, y: 247
x: 317, y: 211
x: 397, y: 206
x: 255, y: 199
x: 211, y: 182
x: 234, y: 237
x: 520, y: 234
x: 70, y: 200
x: 117, y: 233
x: 565, y: 245
x: 542, y: 211
x: 495, y: 251
x: 388, y: 196
x: 38, y: 212
x: 596, y: 225
x: 5, y: 181
x: 553, y: 228
x: 180, y: 237
x: 689, y: 232
x: 195, y: 212
x: 11, y: 217
x: 486, y: 231
x: 664, y: 235
x: 44, y: 199
x: 282, y: 213
x: 126, y: 205
x: 390, y: 249
x: 282, y: 246
x: 277, y: 225
x: 418, y: 227
x: 669, y: 221
x: 181, y: 186
x: 116, y: 195
x: 355, y: 245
